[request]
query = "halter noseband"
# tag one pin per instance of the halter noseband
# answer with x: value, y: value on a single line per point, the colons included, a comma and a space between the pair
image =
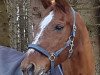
x: 69, y: 43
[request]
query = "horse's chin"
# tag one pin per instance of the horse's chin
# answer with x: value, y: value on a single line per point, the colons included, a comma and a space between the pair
x: 41, y: 72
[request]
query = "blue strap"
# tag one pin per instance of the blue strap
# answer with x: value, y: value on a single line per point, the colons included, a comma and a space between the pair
x: 39, y: 49
x: 74, y: 22
x: 45, y: 52
x: 57, y: 53
x: 52, y: 67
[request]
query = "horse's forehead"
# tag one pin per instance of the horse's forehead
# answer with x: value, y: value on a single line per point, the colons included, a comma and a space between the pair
x: 46, y: 20
x: 43, y: 24
x: 52, y: 15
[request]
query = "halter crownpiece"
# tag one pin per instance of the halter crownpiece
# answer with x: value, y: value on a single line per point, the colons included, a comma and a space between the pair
x: 69, y: 43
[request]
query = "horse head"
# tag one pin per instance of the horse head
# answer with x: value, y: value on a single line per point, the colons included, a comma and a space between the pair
x: 53, y: 38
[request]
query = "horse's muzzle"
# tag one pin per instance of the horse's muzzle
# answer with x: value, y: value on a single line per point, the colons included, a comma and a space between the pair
x: 31, y: 71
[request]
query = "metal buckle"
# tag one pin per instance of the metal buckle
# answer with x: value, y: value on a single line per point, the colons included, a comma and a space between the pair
x: 74, y: 28
x: 52, y: 57
x: 71, y: 48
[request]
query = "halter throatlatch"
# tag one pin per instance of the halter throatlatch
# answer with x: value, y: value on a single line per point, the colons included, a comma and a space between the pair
x: 54, y: 55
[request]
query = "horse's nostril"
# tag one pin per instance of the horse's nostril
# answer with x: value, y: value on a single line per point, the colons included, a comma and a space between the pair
x: 29, y: 70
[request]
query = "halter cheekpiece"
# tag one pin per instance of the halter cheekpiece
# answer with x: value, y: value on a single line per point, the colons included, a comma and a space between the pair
x: 54, y: 55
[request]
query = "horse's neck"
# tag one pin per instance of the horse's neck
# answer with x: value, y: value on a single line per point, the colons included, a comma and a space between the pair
x: 81, y: 63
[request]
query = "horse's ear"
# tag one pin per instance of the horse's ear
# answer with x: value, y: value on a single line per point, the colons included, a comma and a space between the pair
x: 62, y: 4
x: 46, y: 3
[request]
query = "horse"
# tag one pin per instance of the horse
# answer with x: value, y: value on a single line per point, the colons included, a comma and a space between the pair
x: 60, y: 39
x: 61, y: 46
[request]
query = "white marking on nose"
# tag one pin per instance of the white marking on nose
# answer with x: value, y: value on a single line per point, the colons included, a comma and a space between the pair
x: 43, y: 25
x: 30, y: 51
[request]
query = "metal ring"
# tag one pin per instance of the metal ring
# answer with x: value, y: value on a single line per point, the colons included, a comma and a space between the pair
x: 52, y: 57
x: 71, y: 51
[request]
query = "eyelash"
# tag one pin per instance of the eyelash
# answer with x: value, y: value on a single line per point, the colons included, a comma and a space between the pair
x: 59, y: 27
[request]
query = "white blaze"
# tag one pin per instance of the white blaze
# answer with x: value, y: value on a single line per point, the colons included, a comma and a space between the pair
x: 43, y: 25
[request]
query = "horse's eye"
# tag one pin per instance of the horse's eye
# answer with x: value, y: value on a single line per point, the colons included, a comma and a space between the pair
x: 59, y: 27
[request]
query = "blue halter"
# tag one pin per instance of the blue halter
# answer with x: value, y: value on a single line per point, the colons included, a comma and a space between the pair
x: 69, y: 43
